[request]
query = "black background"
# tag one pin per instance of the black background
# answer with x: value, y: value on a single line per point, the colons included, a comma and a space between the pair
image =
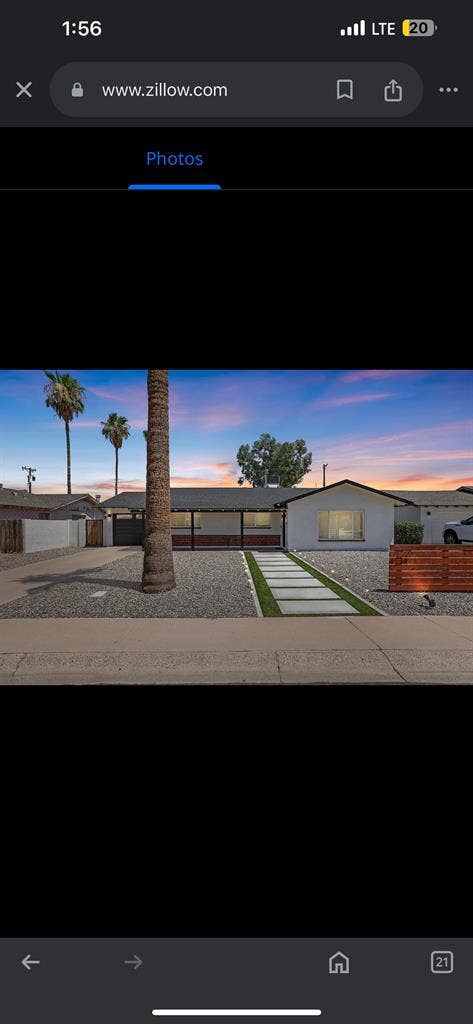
x: 236, y: 811
x: 305, y: 811
x: 394, y: 157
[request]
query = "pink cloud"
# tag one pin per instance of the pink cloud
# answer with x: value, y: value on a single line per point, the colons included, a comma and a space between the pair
x: 417, y: 482
x: 132, y: 393
x: 329, y: 403
x: 354, y: 376
x: 109, y: 485
x: 218, y: 417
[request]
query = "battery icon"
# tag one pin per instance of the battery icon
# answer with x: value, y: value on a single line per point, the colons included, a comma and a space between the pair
x: 418, y: 27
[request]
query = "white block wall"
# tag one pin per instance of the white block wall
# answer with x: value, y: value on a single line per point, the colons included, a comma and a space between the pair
x: 42, y: 535
x: 302, y: 520
x: 108, y: 532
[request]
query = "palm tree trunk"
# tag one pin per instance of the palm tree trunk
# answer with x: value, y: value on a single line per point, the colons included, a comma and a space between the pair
x: 158, y: 566
x: 116, y: 470
x: 68, y: 454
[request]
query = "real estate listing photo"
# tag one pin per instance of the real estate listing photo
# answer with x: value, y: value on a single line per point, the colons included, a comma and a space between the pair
x: 236, y: 527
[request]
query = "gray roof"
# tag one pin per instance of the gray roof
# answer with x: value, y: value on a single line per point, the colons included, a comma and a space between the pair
x: 460, y: 498
x: 401, y: 496
x: 22, y: 499
x: 264, y: 499
x: 215, y: 499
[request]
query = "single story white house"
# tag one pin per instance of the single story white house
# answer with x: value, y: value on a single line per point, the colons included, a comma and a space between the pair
x: 345, y: 515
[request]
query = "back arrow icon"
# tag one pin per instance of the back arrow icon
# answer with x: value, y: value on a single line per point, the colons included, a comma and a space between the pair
x: 135, y: 963
x: 28, y: 962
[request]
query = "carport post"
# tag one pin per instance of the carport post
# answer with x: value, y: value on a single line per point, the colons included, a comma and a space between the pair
x: 242, y: 536
x: 192, y: 532
x: 284, y: 527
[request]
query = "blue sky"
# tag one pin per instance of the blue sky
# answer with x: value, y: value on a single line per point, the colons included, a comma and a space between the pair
x: 409, y: 429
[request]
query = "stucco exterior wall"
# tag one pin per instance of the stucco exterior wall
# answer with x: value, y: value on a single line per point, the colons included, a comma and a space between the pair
x: 302, y: 520
x: 408, y: 514
x: 41, y: 535
x: 229, y: 523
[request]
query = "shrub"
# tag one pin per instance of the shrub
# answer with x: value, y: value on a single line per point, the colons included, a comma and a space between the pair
x: 408, y: 533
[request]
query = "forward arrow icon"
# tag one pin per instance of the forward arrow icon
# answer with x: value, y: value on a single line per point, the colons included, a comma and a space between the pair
x: 135, y: 963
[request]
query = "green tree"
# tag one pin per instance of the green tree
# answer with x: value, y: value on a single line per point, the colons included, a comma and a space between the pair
x: 158, y: 566
x: 288, y: 460
x: 66, y: 396
x: 116, y: 430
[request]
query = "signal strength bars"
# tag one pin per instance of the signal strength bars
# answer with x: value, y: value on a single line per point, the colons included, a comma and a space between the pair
x: 357, y: 29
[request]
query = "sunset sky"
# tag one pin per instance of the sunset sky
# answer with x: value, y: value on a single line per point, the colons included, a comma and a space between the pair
x: 405, y: 429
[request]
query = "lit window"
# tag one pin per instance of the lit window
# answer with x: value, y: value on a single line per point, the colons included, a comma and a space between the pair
x: 341, y: 525
x: 182, y: 520
x: 257, y: 520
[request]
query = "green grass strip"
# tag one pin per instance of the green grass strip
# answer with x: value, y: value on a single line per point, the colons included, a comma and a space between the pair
x: 356, y: 602
x: 269, y: 605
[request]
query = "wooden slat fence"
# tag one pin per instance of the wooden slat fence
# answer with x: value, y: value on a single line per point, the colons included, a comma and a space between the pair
x: 11, y: 536
x: 94, y: 532
x: 436, y: 567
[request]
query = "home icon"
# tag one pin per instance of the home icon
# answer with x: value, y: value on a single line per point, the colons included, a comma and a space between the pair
x: 339, y: 964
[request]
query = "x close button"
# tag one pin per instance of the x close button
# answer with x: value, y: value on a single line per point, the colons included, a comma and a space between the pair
x: 23, y: 90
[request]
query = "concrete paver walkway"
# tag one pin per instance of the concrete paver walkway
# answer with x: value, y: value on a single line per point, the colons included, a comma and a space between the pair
x: 351, y: 649
x: 15, y: 583
x: 304, y: 594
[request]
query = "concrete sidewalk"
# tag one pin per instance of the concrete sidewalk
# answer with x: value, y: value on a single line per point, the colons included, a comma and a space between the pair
x: 348, y: 649
x: 15, y: 583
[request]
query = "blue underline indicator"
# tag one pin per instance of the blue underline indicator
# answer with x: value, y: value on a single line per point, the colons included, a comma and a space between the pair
x: 174, y: 188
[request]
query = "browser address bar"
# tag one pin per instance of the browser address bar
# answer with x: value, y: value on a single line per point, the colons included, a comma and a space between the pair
x: 236, y: 89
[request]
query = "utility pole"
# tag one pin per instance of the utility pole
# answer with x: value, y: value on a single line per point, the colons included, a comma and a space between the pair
x: 324, y: 467
x: 29, y: 475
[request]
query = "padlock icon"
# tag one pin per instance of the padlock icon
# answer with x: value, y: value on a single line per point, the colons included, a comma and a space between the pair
x: 77, y: 91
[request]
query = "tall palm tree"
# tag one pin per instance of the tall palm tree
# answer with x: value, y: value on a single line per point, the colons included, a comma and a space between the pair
x: 158, y: 566
x: 116, y: 429
x: 65, y: 395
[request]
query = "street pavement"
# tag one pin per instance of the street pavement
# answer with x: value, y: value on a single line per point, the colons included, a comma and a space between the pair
x: 338, y: 649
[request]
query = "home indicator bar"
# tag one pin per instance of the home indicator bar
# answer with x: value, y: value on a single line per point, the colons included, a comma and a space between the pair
x: 236, y: 1013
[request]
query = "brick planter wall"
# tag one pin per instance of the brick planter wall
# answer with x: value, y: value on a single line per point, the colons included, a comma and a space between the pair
x: 430, y: 567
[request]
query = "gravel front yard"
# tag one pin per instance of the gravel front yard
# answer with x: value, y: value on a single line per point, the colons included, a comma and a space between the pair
x: 210, y: 584
x: 366, y: 573
x: 16, y: 561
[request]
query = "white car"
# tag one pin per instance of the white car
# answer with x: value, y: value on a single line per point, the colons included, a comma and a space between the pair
x: 459, y: 532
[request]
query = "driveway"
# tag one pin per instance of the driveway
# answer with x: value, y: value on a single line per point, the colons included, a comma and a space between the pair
x: 16, y: 583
